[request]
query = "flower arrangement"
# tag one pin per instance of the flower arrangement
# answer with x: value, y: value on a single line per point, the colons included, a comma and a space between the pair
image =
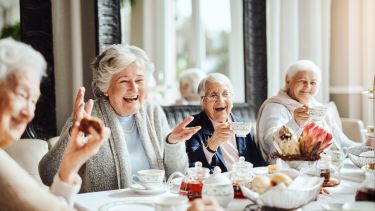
x: 313, y: 141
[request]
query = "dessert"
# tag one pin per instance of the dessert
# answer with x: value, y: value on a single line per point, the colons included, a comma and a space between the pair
x: 261, y: 184
x: 88, y: 122
x: 278, y: 178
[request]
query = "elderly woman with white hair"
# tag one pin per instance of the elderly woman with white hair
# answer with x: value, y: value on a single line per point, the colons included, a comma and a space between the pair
x: 216, y: 144
x: 189, y: 81
x: 141, y: 137
x: 21, y: 71
x: 290, y: 108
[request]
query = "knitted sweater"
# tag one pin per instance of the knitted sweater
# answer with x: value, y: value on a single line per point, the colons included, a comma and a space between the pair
x: 110, y: 168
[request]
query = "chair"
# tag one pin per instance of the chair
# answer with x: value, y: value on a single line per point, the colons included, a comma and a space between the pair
x: 27, y: 153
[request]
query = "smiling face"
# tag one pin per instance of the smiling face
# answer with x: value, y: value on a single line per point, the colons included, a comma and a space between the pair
x: 217, y: 102
x: 126, y: 90
x: 302, y: 86
x: 19, y: 95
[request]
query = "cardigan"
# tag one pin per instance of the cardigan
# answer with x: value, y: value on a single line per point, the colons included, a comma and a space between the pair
x: 111, y: 168
x: 194, y: 146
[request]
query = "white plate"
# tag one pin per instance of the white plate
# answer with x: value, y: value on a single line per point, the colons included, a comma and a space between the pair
x: 135, y: 188
x: 127, y: 205
x: 359, y: 206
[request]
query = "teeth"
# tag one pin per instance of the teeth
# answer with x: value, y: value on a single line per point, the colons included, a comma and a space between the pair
x: 131, y: 98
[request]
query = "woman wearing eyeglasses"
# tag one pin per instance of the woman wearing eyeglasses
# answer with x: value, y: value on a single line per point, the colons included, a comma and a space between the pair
x: 216, y: 144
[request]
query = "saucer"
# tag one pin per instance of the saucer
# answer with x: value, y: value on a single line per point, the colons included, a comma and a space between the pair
x: 127, y: 205
x: 141, y: 190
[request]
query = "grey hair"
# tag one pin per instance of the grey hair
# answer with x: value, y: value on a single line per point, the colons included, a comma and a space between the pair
x: 304, y: 65
x: 192, y: 77
x: 114, y: 59
x: 14, y: 56
x: 217, y: 78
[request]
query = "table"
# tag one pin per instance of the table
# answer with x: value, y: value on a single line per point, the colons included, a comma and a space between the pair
x: 351, y: 178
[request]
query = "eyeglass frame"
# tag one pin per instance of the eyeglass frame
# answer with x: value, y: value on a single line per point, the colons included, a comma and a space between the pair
x: 215, y: 96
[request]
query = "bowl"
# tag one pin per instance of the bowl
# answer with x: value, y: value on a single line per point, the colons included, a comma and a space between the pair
x: 300, y: 192
x: 357, y: 155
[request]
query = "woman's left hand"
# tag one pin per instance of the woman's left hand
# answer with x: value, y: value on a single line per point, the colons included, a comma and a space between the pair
x: 79, y: 150
x: 181, y: 132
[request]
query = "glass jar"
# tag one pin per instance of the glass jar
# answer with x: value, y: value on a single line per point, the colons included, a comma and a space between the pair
x: 242, y: 174
x: 366, y: 192
x: 191, y: 185
x: 329, y: 171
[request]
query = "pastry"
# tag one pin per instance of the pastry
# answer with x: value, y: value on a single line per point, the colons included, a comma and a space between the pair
x: 88, y: 122
x: 278, y: 178
x: 261, y: 184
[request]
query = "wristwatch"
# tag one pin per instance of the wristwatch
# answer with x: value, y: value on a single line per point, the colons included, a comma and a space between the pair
x: 208, y: 148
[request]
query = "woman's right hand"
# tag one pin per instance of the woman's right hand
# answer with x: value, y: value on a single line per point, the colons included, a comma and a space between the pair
x: 301, y: 115
x: 81, y: 109
x: 222, y: 133
x: 80, y: 148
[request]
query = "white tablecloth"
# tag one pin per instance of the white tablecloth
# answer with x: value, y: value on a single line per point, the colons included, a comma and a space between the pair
x: 351, y: 179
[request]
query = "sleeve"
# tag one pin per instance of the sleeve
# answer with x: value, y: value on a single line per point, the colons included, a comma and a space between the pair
x: 341, y: 139
x: 174, y: 157
x: 19, y: 191
x: 64, y: 190
x: 50, y: 163
x: 273, y: 117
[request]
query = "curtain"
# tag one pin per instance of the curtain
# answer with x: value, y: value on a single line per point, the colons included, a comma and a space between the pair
x: 298, y: 29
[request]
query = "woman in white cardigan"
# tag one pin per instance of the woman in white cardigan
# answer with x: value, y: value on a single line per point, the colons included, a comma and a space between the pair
x: 291, y: 105
x: 140, y: 138
x: 21, y: 70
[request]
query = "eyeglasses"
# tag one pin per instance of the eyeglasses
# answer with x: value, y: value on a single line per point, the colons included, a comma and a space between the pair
x: 215, y: 96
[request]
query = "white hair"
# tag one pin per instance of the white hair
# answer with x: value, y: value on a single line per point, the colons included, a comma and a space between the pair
x: 191, y: 77
x: 217, y: 78
x: 114, y: 59
x: 16, y: 56
x: 304, y: 65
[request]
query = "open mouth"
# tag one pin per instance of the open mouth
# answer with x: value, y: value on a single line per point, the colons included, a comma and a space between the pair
x: 220, y: 109
x: 131, y: 98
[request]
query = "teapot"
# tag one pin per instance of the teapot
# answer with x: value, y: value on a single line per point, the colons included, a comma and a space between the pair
x: 218, y: 186
x: 191, y: 184
x: 241, y: 174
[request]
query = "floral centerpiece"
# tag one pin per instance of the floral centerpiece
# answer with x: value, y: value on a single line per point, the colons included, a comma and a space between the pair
x: 313, y: 141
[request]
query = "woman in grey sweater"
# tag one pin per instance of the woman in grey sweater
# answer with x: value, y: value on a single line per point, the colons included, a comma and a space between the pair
x: 140, y: 138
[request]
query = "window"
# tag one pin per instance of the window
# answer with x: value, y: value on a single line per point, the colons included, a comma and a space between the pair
x: 182, y: 34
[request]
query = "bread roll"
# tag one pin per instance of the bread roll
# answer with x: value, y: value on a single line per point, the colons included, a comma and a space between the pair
x: 278, y: 178
x: 261, y: 184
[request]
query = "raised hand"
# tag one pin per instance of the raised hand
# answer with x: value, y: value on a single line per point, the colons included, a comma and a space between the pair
x: 79, y: 150
x: 81, y: 109
x: 301, y: 115
x: 183, y: 133
x: 223, y: 132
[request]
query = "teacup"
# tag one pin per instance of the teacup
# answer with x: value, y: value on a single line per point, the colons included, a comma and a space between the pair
x: 151, y: 179
x: 172, y: 203
x: 241, y: 129
x: 317, y: 112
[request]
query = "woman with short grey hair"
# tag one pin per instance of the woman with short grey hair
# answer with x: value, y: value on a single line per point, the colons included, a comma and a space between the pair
x: 216, y: 144
x: 141, y: 137
x: 290, y: 108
